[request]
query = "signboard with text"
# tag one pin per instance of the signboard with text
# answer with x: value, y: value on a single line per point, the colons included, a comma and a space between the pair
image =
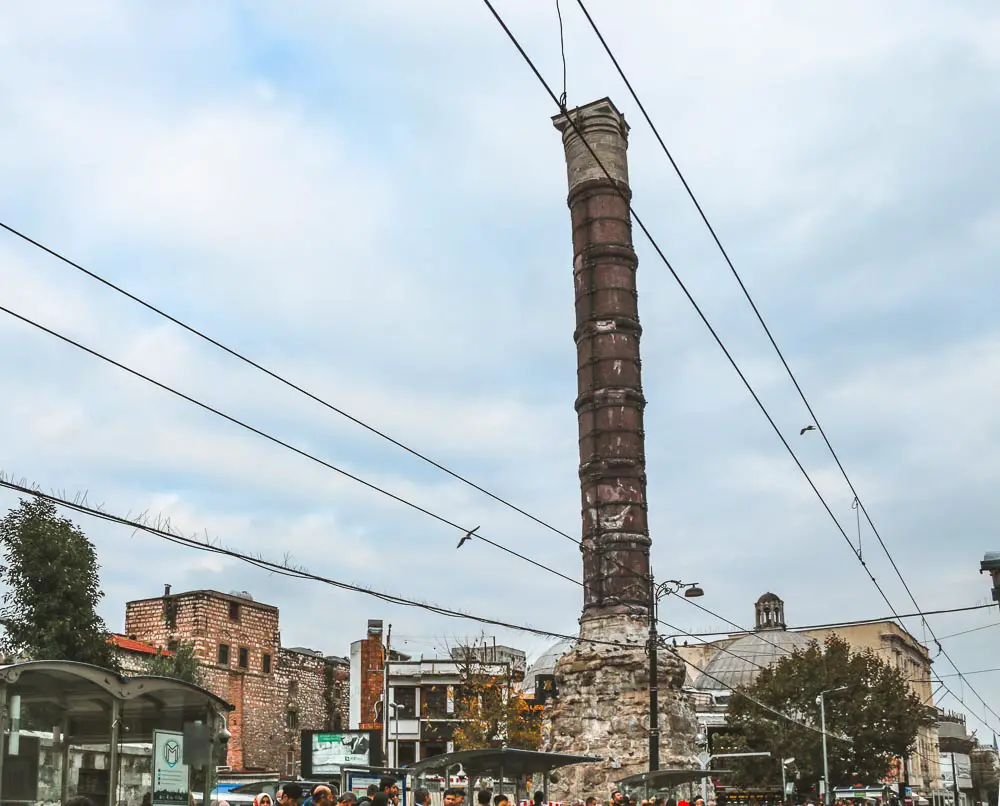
x: 171, y: 777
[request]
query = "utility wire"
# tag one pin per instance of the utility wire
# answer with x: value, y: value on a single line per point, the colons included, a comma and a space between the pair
x: 275, y: 376
x: 974, y: 629
x: 858, y: 503
x: 284, y: 569
x: 282, y: 443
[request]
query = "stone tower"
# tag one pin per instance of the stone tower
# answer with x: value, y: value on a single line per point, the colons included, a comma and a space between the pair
x: 603, y: 702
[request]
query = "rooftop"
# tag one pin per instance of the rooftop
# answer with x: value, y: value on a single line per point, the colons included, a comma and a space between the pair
x: 126, y: 644
x: 208, y: 594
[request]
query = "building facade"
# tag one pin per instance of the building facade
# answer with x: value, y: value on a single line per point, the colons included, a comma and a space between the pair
x: 715, y: 668
x: 276, y: 692
x: 422, y: 693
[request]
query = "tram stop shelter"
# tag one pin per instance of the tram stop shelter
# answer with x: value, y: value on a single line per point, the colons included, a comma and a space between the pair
x: 48, y: 709
x: 500, y: 763
x: 656, y: 781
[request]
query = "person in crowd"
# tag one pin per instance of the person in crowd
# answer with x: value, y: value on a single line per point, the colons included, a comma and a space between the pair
x: 381, y: 799
x: 367, y: 798
x: 454, y: 796
x: 421, y: 797
x: 617, y: 798
x: 591, y: 801
x: 484, y: 797
x: 389, y: 786
x: 501, y: 800
x: 321, y: 795
x: 348, y: 799
x: 539, y: 798
x: 291, y: 794
x: 263, y: 799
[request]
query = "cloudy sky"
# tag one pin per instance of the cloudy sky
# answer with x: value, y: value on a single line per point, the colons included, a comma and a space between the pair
x: 370, y: 199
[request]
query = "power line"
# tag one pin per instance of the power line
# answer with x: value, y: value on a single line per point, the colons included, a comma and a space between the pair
x: 282, y: 443
x: 746, y: 293
x: 853, y: 623
x: 284, y: 569
x: 974, y: 629
x: 281, y: 379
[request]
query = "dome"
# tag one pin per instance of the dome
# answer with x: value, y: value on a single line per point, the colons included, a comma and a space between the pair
x: 546, y: 663
x: 739, y: 663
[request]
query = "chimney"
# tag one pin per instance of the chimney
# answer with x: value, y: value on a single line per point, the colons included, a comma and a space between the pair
x: 374, y: 627
x: 166, y: 590
x: 610, y: 402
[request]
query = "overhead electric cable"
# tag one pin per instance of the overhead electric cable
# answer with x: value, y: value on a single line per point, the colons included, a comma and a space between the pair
x: 858, y: 503
x: 305, y: 454
x: 281, y: 379
x: 301, y: 573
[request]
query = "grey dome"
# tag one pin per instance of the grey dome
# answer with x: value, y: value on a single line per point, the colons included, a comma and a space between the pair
x: 546, y: 663
x: 740, y: 662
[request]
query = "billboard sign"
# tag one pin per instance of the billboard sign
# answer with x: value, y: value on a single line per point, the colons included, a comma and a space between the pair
x: 171, y: 779
x: 331, y: 752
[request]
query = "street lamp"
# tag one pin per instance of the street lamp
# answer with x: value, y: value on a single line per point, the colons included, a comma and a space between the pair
x: 822, y: 724
x: 657, y: 592
x: 991, y: 563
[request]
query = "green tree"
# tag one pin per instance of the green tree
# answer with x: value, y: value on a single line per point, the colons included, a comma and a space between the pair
x: 183, y: 664
x: 52, y: 583
x: 877, y: 711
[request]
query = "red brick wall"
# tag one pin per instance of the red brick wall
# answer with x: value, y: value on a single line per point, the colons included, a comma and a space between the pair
x: 312, y: 687
x: 203, y: 618
x: 372, y: 680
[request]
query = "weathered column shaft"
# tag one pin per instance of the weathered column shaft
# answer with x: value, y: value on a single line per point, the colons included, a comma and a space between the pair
x: 610, y: 401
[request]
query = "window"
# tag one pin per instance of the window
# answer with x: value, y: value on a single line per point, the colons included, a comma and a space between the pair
x: 170, y: 612
x: 291, y: 719
x: 266, y: 663
x: 244, y: 658
x: 234, y: 611
x: 406, y: 754
x: 434, y: 702
x: 405, y: 698
x: 223, y: 654
x: 293, y: 689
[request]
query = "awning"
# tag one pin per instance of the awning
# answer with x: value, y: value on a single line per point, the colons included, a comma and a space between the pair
x: 491, y: 761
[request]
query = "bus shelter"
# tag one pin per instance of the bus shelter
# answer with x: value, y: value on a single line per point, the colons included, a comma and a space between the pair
x: 658, y: 781
x: 500, y: 763
x: 78, y: 706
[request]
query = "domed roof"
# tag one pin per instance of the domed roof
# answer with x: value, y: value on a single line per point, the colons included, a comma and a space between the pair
x: 546, y: 663
x: 739, y: 663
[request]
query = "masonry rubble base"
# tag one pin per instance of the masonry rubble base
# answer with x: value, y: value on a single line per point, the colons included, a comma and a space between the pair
x: 603, y: 709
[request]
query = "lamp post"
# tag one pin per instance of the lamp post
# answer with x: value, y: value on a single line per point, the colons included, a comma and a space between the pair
x: 822, y: 724
x: 657, y: 592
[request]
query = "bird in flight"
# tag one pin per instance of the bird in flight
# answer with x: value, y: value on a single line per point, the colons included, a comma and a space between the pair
x: 466, y: 537
x: 807, y: 428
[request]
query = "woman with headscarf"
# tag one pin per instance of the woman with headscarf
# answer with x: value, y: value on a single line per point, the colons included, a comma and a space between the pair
x: 263, y: 799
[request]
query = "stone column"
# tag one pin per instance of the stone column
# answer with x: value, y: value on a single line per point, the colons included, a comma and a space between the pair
x: 610, y: 402
x: 603, y: 682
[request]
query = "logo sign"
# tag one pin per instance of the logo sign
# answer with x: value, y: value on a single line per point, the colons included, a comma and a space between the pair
x: 171, y: 753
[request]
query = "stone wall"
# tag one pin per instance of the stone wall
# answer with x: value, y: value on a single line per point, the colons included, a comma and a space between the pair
x: 266, y: 684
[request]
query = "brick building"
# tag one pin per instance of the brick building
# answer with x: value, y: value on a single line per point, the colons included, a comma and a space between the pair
x: 276, y: 692
x: 134, y: 655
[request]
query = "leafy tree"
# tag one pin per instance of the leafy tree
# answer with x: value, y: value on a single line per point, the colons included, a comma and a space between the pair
x: 877, y: 710
x: 489, y: 711
x: 183, y: 664
x: 50, y: 572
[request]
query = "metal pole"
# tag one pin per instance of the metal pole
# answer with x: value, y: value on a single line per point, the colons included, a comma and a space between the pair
x: 116, y: 714
x: 954, y: 778
x: 3, y: 731
x: 704, y: 781
x: 826, y: 763
x: 64, y: 777
x: 385, y: 694
x: 654, y: 689
x: 784, y: 783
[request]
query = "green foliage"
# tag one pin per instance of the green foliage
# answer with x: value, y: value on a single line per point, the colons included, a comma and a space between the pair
x: 878, y: 711
x: 183, y: 664
x: 51, y: 575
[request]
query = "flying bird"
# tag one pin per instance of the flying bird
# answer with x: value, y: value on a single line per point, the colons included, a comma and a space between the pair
x: 467, y: 536
x: 807, y: 428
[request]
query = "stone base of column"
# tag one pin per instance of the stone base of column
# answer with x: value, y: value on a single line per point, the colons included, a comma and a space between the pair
x: 603, y: 710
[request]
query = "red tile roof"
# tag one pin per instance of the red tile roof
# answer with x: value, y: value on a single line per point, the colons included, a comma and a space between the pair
x: 127, y: 644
